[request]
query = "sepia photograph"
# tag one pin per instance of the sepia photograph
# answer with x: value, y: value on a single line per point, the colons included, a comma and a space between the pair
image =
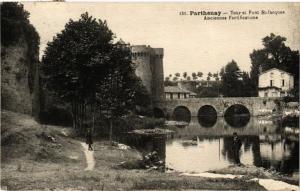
x: 117, y: 96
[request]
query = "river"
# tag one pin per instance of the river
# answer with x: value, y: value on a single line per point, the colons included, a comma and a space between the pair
x: 207, y: 145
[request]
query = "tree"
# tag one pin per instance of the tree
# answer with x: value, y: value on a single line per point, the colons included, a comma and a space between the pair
x: 230, y: 80
x: 167, y: 82
x: 188, y: 78
x: 76, y: 61
x: 200, y: 74
x: 194, y: 75
x: 216, y: 76
x: 274, y: 54
x: 86, y: 69
x: 208, y: 91
x: 120, y: 90
x: 184, y: 74
x: 248, y: 89
x: 209, y: 75
x: 175, y: 78
x: 14, y: 22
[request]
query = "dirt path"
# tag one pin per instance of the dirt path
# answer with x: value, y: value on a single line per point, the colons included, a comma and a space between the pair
x: 89, y: 156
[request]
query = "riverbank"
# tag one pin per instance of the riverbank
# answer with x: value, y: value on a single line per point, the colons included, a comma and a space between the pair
x: 250, y: 172
x: 39, y: 157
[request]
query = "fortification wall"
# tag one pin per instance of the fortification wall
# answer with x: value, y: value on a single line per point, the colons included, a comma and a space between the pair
x: 18, y: 94
x: 141, y: 58
x: 149, y: 67
x: 158, y: 75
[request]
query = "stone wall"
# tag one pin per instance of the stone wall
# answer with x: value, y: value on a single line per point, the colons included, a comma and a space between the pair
x: 19, y: 80
x: 256, y: 105
x: 149, y: 67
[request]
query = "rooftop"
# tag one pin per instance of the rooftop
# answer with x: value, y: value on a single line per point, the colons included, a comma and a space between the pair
x: 275, y: 69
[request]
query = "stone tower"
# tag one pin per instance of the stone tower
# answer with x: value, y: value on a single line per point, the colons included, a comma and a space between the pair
x: 149, y: 67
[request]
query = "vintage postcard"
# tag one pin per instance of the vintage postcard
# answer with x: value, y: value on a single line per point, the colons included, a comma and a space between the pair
x: 150, y: 96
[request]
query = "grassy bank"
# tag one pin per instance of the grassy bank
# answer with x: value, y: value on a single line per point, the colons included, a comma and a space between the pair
x: 250, y: 171
x: 36, y: 157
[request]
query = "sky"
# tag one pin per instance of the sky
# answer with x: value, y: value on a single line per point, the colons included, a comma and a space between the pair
x: 190, y: 43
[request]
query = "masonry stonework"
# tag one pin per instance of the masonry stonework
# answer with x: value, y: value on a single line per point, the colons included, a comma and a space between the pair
x: 149, y: 67
x: 255, y: 105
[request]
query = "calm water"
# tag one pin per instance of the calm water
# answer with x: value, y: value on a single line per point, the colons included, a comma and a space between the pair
x: 207, y: 145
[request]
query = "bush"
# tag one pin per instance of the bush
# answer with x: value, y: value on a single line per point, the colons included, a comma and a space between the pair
x: 56, y: 116
x: 290, y: 121
x: 290, y: 99
x: 125, y: 124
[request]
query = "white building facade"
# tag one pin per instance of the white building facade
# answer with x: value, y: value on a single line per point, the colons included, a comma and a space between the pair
x: 275, y: 83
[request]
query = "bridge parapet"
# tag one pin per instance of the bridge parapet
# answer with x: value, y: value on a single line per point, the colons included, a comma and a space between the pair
x: 255, y: 105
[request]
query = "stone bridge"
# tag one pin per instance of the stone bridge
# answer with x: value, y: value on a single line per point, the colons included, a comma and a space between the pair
x: 255, y: 105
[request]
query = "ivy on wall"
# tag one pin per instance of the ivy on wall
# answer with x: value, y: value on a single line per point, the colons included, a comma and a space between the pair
x: 16, y: 28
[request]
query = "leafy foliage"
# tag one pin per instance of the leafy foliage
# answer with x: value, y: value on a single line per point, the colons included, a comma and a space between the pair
x: 84, y: 67
x: 213, y: 91
x: 15, y: 28
x: 230, y: 75
x: 274, y: 54
x: 76, y: 58
x: 14, y: 21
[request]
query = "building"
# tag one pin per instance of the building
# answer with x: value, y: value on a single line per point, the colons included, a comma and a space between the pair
x: 149, y: 67
x: 175, y: 92
x: 275, y: 83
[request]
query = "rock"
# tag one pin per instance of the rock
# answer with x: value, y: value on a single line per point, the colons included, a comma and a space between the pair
x: 123, y: 147
x: 155, y: 131
x: 19, y: 81
x: 151, y: 161
x: 48, y: 137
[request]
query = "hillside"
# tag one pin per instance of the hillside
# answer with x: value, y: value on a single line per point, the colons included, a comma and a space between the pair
x: 43, y: 157
x: 32, y: 154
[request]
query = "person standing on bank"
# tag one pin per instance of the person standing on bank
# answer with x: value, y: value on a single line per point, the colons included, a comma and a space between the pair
x: 236, y: 148
x: 89, y: 139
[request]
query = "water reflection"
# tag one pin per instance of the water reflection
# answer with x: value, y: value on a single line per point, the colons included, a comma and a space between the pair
x: 197, y: 149
x: 147, y: 143
x: 207, y: 116
x: 237, y: 116
x: 221, y: 127
x: 182, y: 113
x: 237, y: 121
x: 213, y: 153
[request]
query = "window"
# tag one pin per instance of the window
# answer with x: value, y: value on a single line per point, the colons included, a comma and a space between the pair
x: 171, y: 95
x: 271, y: 83
x: 178, y: 95
x: 282, y: 82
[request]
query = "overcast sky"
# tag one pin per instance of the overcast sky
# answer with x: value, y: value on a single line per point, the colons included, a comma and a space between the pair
x: 191, y: 44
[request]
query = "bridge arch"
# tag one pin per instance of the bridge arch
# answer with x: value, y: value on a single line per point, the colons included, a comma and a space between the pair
x: 158, y: 113
x: 207, y: 116
x: 182, y: 113
x: 237, y: 115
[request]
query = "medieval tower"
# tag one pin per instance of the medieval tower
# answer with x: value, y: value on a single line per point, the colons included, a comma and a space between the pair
x: 149, y: 67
